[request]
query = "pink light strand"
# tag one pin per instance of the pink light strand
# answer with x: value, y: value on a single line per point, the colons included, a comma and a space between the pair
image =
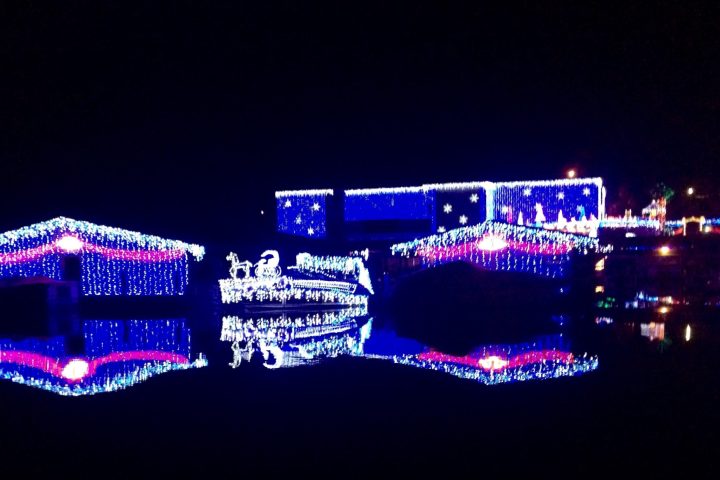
x: 53, y: 366
x: 468, y: 248
x: 113, y: 253
x: 513, y: 362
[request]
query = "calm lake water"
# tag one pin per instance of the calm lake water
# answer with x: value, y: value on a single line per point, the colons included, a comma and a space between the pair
x: 338, y: 393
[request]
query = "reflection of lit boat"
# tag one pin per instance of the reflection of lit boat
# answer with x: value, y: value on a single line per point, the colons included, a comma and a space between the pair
x: 313, y: 280
x: 109, y: 363
x: 290, y: 341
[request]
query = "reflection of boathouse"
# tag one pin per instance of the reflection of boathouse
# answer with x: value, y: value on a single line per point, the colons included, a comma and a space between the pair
x: 107, y: 355
x: 102, y: 260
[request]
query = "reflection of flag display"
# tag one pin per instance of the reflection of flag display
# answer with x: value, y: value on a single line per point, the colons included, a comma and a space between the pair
x: 459, y: 208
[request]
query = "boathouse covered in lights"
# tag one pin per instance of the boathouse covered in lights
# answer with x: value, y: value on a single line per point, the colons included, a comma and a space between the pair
x: 403, y: 213
x: 104, y: 260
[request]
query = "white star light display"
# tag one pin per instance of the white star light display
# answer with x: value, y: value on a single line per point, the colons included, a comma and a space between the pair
x: 302, y: 213
x: 441, y: 229
x: 442, y: 204
x: 463, y: 219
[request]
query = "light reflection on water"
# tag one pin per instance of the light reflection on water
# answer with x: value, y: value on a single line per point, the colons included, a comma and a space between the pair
x: 298, y: 339
x: 116, y: 354
x: 291, y: 340
x: 109, y: 355
x: 543, y: 358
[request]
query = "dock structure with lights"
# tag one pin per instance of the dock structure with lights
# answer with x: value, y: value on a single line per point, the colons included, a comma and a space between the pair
x: 401, y: 213
x: 103, y: 260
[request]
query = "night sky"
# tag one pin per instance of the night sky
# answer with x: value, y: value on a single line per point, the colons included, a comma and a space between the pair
x: 182, y: 119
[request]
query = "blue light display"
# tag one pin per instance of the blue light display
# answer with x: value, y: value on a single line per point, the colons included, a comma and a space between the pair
x: 543, y: 201
x: 104, y: 276
x: 500, y: 246
x: 459, y: 207
x: 112, y: 261
x: 450, y: 205
x: 389, y: 204
x: 302, y: 213
x: 117, y: 355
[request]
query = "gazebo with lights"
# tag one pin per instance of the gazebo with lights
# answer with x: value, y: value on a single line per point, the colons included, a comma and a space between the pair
x: 104, y: 260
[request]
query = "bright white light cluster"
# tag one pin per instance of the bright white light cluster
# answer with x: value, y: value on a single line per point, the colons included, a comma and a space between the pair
x: 631, y: 223
x: 290, y: 342
x: 382, y: 191
x: 278, y: 291
x: 303, y: 193
x: 336, y: 267
x: 268, y: 285
x: 471, y: 185
x: 560, y: 182
x: 238, y: 329
x: 457, y: 186
x: 344, y: 287
x: 582, y: 227
x: 236, y: 291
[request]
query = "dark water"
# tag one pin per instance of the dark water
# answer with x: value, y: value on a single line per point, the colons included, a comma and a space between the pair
x: 341, y: 393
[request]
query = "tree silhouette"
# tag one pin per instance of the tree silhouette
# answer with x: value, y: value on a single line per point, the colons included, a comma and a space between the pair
x: 662, y: 191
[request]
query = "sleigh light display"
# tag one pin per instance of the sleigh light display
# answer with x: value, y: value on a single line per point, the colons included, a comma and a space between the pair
x: 313, y: 280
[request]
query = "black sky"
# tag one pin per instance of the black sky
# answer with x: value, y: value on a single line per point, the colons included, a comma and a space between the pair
x: 182, y: 118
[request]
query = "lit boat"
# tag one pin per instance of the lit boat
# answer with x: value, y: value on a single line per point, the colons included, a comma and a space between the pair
x: 313, y: 280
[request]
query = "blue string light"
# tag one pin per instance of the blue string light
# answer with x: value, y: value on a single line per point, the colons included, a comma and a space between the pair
x: 302, y: 213
x: 444, y: 206
x: 117, y: 355
x: 112, y: 261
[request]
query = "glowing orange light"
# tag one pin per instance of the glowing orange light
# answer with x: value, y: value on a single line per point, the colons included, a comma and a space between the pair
x: 571, y: 173
x: 600, y: 265
x: 599, y: 289
x: 664, y: 250
x: 664, y: 310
